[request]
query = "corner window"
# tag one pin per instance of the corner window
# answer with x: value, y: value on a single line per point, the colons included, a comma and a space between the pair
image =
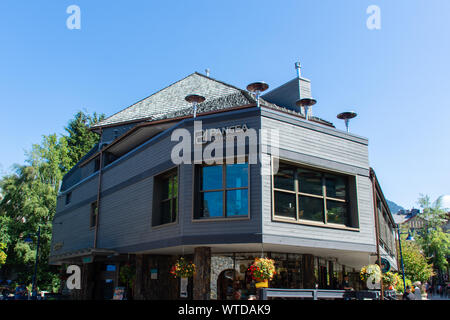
x: 165, y: 201
x: 302, y: 194
x: 222, y: 191
x: 94, y: 214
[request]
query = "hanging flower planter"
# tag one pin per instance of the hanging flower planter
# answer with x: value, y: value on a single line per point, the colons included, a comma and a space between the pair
x: 262, y: 271
x: 371, y: 272
x: 183, y: 269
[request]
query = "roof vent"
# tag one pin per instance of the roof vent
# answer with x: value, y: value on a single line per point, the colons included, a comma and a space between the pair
x: 346, y: 116
x: 256, y: 88
x: 207, y: 72
x: 306, y: 103
x: 194, y: 99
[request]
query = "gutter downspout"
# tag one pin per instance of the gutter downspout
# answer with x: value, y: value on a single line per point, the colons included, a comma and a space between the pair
x: 99, y: 189
x: 377, y: 228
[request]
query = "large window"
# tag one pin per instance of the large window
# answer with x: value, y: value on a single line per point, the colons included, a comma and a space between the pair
x: 302, y: 194
x: 222, y: 191
x: 165, y: 201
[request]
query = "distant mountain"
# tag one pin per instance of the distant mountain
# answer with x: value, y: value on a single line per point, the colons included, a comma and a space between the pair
x: 394, y: 207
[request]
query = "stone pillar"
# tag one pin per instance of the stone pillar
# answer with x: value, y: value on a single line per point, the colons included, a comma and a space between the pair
x: 309, y: 278
x: 202, y: 277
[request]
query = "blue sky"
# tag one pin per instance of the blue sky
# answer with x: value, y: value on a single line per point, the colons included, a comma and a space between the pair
x: 396, y: 78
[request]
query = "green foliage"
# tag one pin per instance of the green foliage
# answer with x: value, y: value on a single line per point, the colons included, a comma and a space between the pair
x: 2, y: 253
x: 28, y: 199
x: 434, y: 242
x: 416, y: 264
x: 80, y: 139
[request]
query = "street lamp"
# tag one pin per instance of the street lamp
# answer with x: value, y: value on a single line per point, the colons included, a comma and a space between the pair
x: 409, y: 238
x: 33, y: 288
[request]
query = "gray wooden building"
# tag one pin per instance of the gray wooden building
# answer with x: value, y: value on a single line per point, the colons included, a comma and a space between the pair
x: 308, y: 199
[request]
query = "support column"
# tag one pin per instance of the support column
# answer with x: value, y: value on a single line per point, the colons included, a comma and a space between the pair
x: 309, y: 278
x: 139, y: 282
x: 87, y: 281
x: 202, y: 277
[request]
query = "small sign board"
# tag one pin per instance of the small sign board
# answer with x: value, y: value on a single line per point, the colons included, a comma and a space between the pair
x: 119, y: 293
x: 153, y: 274
x: 385, y: 265
x: 183, y: 287
x: 88, y: 259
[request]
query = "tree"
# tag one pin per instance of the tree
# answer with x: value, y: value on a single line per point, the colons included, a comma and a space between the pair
x: 434, y: 242
x: 80, y: 139
x: 417, y: 267
x: 28, y: 199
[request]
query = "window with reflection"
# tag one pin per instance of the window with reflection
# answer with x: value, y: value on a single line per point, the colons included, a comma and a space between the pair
x: 165, y: 202
x: 222, y: 191
x: 303, y: 194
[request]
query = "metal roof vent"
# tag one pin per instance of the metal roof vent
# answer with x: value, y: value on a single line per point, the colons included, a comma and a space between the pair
x: 346, y: 116
x: 256, y: 88
x: 194, y: 99
x: 306, y: 103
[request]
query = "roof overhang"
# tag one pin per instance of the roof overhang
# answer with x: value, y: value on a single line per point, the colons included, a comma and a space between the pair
x: 79, y: 255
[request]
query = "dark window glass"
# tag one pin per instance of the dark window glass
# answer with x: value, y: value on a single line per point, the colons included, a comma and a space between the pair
x: 237, y: 175
x: 310, y: 182
x: 336, y: 212
x: 94, y: 212
x: 310, y: 208
x: 212, y: 178
x: 212, y: 204
x: 68, y: 197
x: 223, y: 191
x: 166, y: 198
x: 284, y: 179
x: 285, y: 205
x: 336, y: 186
x: 237, y: 202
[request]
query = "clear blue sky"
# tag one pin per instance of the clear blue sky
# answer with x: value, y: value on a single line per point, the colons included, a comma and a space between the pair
x: 396, y: 78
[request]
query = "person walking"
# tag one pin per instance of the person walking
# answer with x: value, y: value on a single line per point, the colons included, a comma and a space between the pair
x: 408, y: 295
x: 417, y: 291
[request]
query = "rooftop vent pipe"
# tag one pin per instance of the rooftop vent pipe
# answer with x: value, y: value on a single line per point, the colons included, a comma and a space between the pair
x: 256, y: 88
x: 194, y: 99
x: 346, y: 116
x: 306, y: 103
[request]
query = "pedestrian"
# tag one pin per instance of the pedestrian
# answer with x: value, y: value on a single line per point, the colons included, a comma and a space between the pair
x: 408, y: 295
x: 417, y: 291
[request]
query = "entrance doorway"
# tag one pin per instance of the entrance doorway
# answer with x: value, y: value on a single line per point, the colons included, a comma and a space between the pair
x: 225, y: 287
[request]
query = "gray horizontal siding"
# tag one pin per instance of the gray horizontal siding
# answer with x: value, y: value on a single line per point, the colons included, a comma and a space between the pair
x: 323, y: 150
x: 127, y: 195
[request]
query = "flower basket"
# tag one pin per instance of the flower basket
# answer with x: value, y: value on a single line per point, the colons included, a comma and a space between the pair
x: 262, y: 270
x: 371, y: 272
x: 390, y: 280
x: 183, y: 269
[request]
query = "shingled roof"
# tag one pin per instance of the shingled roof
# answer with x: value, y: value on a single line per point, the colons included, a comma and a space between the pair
x: 169, y: 102
x: 171, y: 99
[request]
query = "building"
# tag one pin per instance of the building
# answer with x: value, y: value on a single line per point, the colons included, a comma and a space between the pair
x: 127, y: 202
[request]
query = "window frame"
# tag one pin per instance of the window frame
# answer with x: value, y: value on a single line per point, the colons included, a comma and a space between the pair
x: 197, y: 176
x: 156, y: 201
x: 324, y: 197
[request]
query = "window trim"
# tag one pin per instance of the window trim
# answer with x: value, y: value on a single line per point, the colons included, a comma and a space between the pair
x: 298, y: 221
x: 177, y: 201
x: 196, y: 192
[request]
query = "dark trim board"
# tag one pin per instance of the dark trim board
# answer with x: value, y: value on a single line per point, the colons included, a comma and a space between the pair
x: 204, y: 239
